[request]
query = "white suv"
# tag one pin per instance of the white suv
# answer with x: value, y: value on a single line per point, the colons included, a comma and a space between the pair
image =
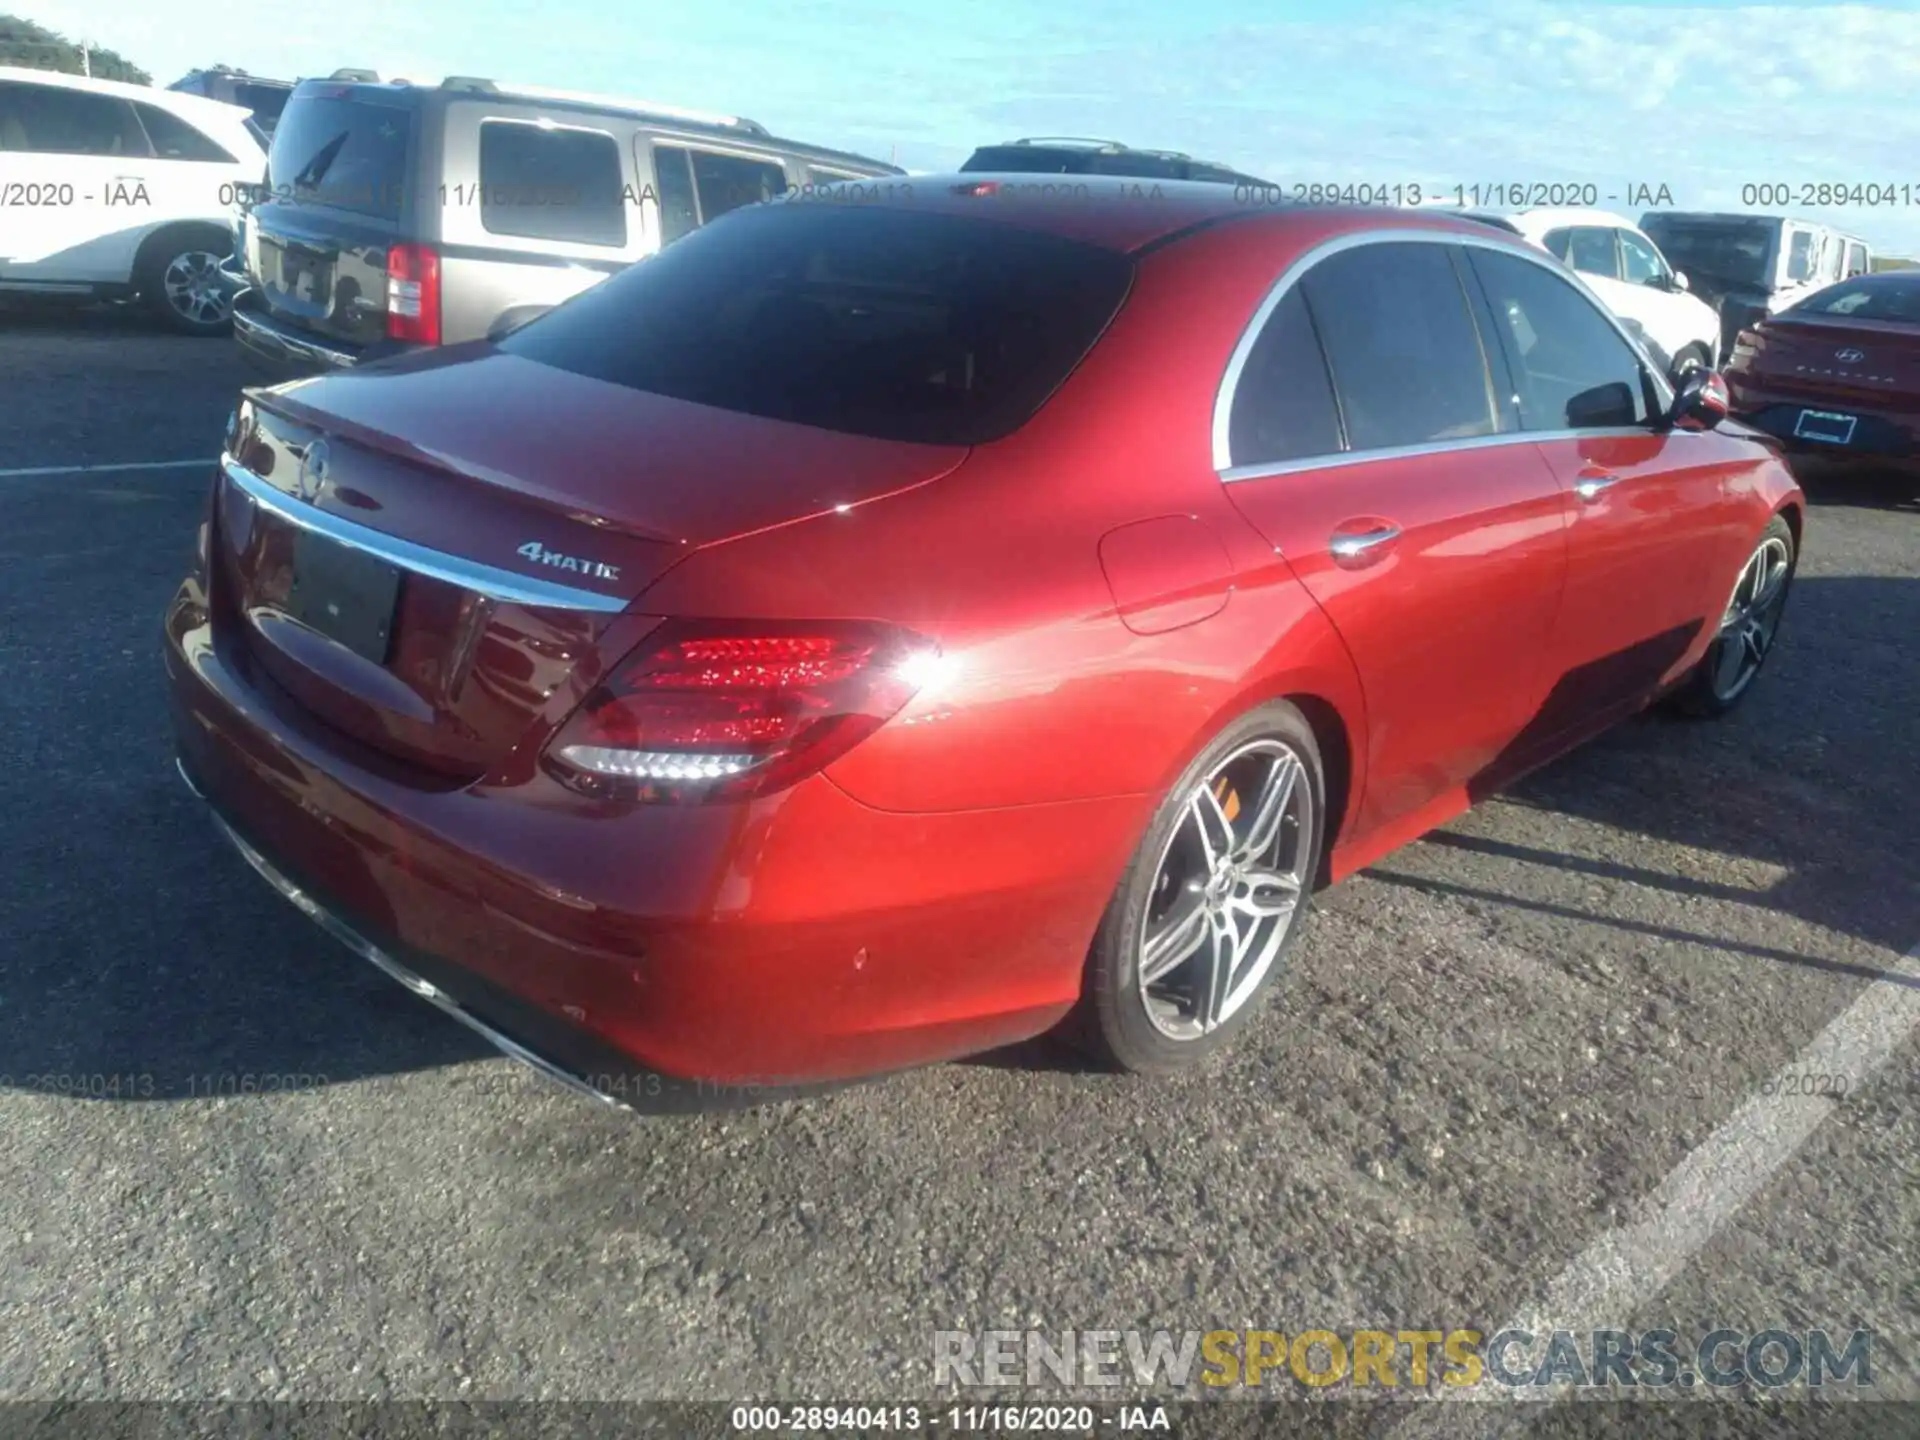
x: 1627, y: 271
x: 113, y: 190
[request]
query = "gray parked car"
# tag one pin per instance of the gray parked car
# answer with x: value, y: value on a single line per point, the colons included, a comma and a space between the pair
x: 400, y: 215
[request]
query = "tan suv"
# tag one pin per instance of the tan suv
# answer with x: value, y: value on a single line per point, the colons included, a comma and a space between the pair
x: 397, y: 215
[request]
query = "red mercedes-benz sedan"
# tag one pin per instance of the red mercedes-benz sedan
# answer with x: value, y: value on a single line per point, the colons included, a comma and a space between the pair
x: 1837, y: 376
x: 874, y: 632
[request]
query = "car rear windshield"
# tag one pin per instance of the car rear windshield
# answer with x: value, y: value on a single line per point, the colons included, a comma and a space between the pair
x: 342, y: 152
x: 1880, y: 298
x: 265, y: 101
x: 932, y: 328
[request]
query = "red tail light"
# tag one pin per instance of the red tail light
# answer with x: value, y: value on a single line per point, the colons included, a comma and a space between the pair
x: 722, y: 709
x: 413, y: 294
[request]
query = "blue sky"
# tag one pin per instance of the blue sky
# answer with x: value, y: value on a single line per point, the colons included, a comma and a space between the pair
x: 1703, y: 98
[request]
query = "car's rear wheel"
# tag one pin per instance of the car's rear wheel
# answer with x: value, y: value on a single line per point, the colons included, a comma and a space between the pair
x: 1748, y: 627
x: 1214, y: 901
x: 179, y: 280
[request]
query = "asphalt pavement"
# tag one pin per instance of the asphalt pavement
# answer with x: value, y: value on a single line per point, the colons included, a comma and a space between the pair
x: 1526, y: 1067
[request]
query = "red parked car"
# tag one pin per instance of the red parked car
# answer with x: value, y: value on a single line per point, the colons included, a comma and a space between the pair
x: 1837, y: 375
x: 871, y: 633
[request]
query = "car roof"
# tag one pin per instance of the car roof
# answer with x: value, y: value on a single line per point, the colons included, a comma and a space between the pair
x: 365, y: 85
x: 1751, y: 215
x: 1111, y: 149
x: 146, y: 94
x: 1125, y: 214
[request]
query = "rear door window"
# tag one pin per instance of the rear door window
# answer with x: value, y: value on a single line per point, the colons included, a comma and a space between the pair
x: 543, y: 182
x: 679, y: 206
x: 1283, y: 407
x: 347, y: 153
x: 1800, y: 256
x: 53, y: 120
x: 698, y: 186
x: 1399, y: 337
x: 899, y: 324
x: 174, y: 139
x: 1573, y: 370
x: 726, y: 182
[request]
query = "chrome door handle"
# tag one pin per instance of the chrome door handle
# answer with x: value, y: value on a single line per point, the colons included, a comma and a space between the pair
x: 1347, y: 544
x: 1593, y: 482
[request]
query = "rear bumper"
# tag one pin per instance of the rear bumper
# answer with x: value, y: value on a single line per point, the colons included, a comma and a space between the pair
x: 276, y: 349
x: 280, y: 351
x: 601, y: 1077
x: 804, y: 939
x: 1876, y: 438
x: 233, y: 277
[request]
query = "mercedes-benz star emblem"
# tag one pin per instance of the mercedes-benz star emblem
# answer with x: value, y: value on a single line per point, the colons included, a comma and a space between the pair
x: 313, y: 471
x: 1850, y: 356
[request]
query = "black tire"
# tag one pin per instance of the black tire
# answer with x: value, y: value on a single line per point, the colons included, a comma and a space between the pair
x: 1113, y: 1024
x: 1695, y: 356
x: 1717, y: 684
x: 185, y: 246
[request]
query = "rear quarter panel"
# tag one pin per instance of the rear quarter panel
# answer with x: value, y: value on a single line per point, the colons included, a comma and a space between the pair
x: 1048, y: 695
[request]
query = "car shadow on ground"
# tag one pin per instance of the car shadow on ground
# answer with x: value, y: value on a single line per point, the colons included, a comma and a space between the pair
x: 1783, y: 781
x: 149, y: 963
x: 24, y: 314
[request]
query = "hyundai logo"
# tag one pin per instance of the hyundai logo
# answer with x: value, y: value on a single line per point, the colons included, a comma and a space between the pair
x: 1849, y: 356
x: 313, y: 471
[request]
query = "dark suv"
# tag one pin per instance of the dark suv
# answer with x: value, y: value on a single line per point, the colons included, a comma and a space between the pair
x: 1068, y: 155
x: 399, y: 215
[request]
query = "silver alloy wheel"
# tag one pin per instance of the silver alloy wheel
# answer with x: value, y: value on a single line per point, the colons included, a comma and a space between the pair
x: 1228, y: 886
x: 191, y: 283
x: 1752, y: 618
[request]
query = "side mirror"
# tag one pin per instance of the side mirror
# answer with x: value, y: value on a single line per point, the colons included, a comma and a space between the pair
x: 1680, y: 281
x: 1701, y: 402
x: 1602, y: 407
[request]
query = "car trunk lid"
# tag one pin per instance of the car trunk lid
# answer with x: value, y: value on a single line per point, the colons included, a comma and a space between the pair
x: 434, y: 559
x: 1866, y: 360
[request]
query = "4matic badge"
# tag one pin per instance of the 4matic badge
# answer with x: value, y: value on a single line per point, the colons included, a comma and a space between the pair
x: 540, y: 555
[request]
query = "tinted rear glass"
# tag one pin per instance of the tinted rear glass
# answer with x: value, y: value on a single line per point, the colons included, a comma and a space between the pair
x: 938, y: 329
x: 1401, y: 342
x: 265, y: 101
x: 1879, y: 299
x: 1027, y: 160
x: 1729, y: 250
x: 341, y: 152
x: 1283, y: 407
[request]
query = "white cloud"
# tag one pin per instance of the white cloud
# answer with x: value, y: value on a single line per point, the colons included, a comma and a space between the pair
x: 1702, y: 100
